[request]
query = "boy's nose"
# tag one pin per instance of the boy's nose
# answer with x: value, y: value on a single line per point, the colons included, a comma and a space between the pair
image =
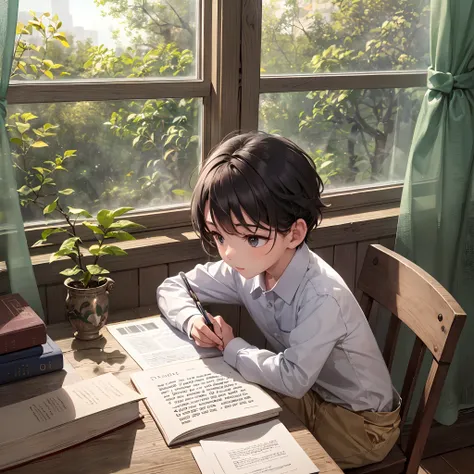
x: 229, y: 252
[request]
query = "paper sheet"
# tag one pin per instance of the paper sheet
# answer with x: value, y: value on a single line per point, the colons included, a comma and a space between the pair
x: 264, y: 448
x: 153, y: 342
x: 201, y: 460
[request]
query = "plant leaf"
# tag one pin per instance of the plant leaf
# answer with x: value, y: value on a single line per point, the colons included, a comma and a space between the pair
x: 121, y: 210
x: 66, y: 192
x: 25, y: 190
x: 113, y: 250
x: 47, y: 232
x: 27, y: 116
x: 22, y: 127
x: 78, y: 212
x: 105, y: 218
x: 96, y: 270
x: 50, y: 207
x: 71, y: 271
x: 119, y: 235
x: 123, y: 224
x: 94, y: 228
x: 69, y: 153
x: 96, y: 250
x: 70, y: 243
x: 62, y: 253
x: 39, y: 144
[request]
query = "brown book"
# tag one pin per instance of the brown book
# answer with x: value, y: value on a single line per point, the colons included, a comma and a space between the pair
x: 20, y: 326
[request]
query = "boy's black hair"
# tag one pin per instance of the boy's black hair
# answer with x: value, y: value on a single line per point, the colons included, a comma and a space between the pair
x: 269, y: 177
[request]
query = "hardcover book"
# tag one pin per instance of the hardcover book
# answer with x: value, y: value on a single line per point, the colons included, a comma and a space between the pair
x: 49, y: 359
x: 20, y: 326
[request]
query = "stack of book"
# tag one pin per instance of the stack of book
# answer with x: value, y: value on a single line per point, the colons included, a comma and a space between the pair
x: 25, y: 348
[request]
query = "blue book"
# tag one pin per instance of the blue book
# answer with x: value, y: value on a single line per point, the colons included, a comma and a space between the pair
x: 23, y: 354
x: 49, y: 359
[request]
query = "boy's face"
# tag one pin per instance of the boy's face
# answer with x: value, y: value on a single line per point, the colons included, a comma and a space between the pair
x: 250, y: 252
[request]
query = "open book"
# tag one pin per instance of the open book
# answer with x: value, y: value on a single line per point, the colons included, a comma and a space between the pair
x: 191, y: 399
x: 62, y: 418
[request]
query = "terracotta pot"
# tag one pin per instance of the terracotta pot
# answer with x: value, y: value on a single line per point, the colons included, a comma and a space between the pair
x: 88, y: 308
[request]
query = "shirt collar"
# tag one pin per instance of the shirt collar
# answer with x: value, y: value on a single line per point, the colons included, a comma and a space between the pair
x: 290, y: 280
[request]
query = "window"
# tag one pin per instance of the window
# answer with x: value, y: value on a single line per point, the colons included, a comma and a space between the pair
x: 106, y: 102
x: 353, y: 64
x: 119, y: 101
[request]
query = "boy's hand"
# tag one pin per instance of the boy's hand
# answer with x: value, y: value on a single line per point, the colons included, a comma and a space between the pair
x: 225, y: 330
x: 203, y: 336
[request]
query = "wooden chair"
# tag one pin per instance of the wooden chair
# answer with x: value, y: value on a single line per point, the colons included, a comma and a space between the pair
x: 418, y: 300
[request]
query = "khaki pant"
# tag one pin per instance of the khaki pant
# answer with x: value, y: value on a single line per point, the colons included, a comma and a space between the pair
x: 352, y: 439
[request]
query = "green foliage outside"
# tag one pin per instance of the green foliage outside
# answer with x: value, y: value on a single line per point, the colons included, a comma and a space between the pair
x: 145, y: 153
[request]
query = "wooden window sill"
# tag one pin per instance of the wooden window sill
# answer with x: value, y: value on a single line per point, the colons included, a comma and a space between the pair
x: 181, y: 243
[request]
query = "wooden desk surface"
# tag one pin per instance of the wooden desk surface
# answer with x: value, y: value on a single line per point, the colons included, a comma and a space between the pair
x: 134, y: 449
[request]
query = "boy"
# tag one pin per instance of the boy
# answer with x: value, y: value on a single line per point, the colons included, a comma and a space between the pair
x: 256, y: 199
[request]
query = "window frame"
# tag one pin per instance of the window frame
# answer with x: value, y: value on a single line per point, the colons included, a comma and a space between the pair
x: 229, y: 84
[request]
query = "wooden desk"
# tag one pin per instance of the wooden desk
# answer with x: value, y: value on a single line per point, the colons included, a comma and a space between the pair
x: 134, y: 449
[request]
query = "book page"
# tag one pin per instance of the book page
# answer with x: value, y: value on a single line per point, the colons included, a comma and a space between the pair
x: 185, y: 396
x: 63, y: 405
x: 264, y: 448
x: 201, y: 460
x: 153, y: 342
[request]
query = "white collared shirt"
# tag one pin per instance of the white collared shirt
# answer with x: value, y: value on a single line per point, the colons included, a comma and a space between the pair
x: 321, y: 337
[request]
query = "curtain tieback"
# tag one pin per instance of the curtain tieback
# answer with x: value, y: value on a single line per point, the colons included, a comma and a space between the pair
x: 3, y: 108
x: 445, y: 82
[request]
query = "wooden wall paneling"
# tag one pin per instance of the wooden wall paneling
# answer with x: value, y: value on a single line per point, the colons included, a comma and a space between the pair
x: 345, y: 257
x: 326, y: 253
x: 250, y: 331
x: 124, y: 294
x: 230, y: 313
x: 149, y: 278
x: 379, y: 317
x: 42, y: 294
x: 56, y: 303
x: 374, y: 319
x: 184, y: 266
x: 388, y: 242
x: 361, y: 251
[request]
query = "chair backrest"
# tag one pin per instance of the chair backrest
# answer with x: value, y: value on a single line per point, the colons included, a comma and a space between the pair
x: 418, y: 300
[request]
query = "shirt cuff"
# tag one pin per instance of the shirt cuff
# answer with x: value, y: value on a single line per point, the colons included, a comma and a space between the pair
x: 232, y: 350
x: 188, y: 325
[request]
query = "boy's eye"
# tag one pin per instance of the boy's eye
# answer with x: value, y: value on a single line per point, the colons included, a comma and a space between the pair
x: 255, y: 241
x: 218, y: 238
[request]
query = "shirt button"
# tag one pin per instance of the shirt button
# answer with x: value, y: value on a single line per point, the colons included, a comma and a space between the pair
x: 269, y: 305
x: 275, y: 334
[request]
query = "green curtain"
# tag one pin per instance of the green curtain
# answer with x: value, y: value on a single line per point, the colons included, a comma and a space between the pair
x: 436, y: 225
x: 13, y: 245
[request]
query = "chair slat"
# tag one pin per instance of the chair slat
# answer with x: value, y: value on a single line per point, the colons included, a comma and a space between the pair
x: 411, y: 376
x: 391, y: 341
x: 366, y: 303
x: 424, y: 416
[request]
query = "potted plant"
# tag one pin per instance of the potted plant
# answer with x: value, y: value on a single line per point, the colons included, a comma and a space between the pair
x: 87, y: 283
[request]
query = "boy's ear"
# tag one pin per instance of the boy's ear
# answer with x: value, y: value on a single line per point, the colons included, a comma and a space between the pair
x: 298, y: 233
